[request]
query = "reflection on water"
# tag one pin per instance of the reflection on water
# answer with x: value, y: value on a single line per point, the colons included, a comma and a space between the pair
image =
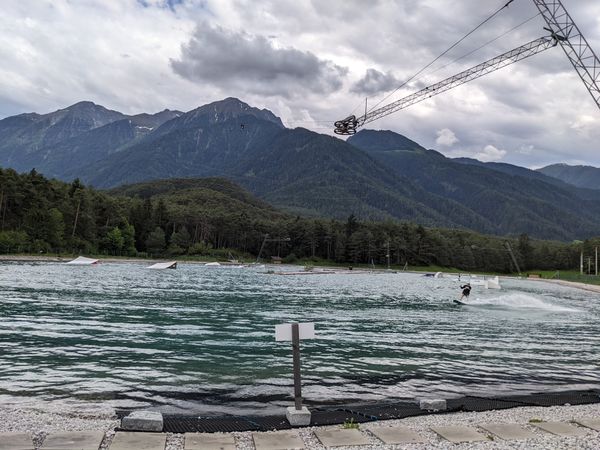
x: 201, y: 339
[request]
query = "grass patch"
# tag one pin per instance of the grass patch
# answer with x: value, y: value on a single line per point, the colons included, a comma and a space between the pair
x: 350, y: 424
x: 569, y: 275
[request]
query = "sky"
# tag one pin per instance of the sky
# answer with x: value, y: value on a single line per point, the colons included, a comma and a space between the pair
x: 311, y: 62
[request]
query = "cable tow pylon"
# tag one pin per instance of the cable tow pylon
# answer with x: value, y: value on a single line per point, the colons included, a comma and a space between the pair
x: 350, y: 124
x: 574, y: 44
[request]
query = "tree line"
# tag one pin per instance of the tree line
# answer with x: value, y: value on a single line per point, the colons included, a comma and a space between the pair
x: 216, y: 219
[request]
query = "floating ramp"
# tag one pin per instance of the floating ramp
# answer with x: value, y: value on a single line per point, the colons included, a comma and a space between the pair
x: 493, y: 283
x: 82, y: 261
x: 165, y: 265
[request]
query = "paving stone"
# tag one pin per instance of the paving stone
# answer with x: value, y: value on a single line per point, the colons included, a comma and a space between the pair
x: 15, y: 441
x: 280, y: 440
x: 138, y: 441
x: 561, y: 428
x: 209, y: 441
x: 337, y: 438
x: 594, y: 424
x: 76, y: 440
x: 396, y: 435
x: 508, y: 431
x: 458, y: 434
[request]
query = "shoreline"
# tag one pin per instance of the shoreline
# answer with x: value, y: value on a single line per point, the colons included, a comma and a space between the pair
x: 126, y: 260
x: 40, y: 424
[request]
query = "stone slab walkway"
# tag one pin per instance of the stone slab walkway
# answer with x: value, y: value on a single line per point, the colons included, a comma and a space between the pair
x: 593, y: 424
x: 459, y: 434
x: 138, y: 441
x: 561, y: 428
x: 339, y: 438
x: 542, y: 435
x: 278, y: 440
x: 508, y: 431
x: 15, y: 441
x: 209, y: 441
x: 74, y: 440
x: 396, y: 435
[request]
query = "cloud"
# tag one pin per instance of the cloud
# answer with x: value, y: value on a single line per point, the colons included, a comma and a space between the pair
x: 227, y: 58
x: 446, y: 138
x: 489, y: 154
x: 375, y: 82
x: 310, y: 62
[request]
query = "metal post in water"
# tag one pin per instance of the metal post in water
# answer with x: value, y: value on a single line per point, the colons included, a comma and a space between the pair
x: 296, y: 356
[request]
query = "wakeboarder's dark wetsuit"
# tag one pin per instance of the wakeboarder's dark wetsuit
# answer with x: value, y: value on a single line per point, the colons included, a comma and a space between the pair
x: 466, y: 290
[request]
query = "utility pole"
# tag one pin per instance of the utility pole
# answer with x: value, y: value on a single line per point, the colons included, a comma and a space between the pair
x: 387, y: 255
x: 596, y: 263
x: 589, y: 265
x: 267, y: 239
x: 512, y: 255
x: 261, y: 247
x: 581, y: 263
x: 76, y: 218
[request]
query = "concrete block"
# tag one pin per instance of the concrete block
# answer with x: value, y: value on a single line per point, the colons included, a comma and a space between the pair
x: 73, y: 440
x: 396, y: 435
x: 209, y: 441
x: 143, y: 421
x: 341, y: 438
x: 298, y: 418
x: 278, y: 440
x: 437, y: 404
x: 560, y: 428
x: 459, y: 434
x: 508, y: 431
x: 15, y: 441
x: 138, y: 441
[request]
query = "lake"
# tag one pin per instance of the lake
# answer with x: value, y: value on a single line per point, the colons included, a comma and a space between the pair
x: 201, y: 339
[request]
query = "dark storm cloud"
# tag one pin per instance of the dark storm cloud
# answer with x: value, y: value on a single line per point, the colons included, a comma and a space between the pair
x: 375, y: 82
x: 229, y: 59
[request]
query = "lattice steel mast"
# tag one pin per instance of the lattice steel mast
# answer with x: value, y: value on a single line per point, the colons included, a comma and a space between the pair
x: 563, y: 30
x: 576, y: 47
x: 351, y: 123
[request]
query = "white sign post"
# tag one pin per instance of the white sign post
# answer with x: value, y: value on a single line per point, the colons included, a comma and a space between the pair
x: 294, y: 332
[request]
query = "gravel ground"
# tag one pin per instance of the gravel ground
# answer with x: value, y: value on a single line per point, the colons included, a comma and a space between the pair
x: 39, y: 424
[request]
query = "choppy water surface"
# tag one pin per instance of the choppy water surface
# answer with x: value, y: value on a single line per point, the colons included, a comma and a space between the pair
x: 201, y: 339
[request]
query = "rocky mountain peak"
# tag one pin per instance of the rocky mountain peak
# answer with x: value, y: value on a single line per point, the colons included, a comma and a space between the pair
x: 232, y: 107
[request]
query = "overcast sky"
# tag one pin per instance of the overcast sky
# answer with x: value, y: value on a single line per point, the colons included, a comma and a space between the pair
x: 311, y: 62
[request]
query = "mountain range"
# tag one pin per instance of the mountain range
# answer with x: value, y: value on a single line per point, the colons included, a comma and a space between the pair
x: 376, y: 175
x: 580, y: 176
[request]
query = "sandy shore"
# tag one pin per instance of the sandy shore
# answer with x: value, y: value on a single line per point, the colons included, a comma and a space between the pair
x: 40, y: 424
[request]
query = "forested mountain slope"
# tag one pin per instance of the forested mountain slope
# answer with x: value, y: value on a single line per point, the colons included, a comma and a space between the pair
x: 375, y: 175
x: 580, y: 176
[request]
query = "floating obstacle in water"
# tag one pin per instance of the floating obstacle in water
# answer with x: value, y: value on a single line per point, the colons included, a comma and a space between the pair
x: 493, y: 283
x: 165, y: 265
x: 82, y: 261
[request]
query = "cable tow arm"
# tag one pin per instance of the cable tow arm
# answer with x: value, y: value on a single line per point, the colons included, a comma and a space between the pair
x: 350, y: 124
